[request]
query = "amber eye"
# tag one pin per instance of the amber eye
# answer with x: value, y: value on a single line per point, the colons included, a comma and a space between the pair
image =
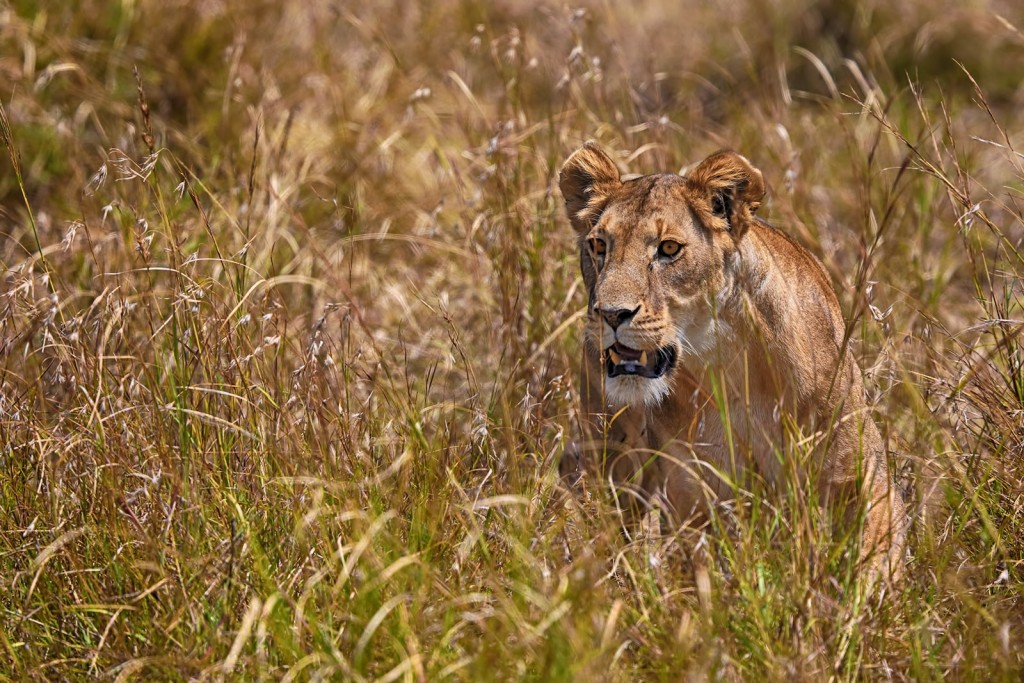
x: 669, y: 248
x: 598, y: 247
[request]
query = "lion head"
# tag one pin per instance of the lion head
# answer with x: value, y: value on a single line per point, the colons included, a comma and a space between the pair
x: 660, y: 256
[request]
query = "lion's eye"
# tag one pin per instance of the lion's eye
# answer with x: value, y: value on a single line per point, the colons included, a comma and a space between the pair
x: 669, y: 248
x: 598, y: 247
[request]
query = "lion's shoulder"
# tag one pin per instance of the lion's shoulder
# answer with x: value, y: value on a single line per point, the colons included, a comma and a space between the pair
x: 800, y: 266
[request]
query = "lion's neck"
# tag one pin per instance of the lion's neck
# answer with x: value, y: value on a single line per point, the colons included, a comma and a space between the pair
x: 753, y: 312
x: 761, y: 301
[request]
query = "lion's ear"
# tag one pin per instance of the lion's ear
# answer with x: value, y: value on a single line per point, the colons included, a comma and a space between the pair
x: 733, y: 187
x: 586, y: 180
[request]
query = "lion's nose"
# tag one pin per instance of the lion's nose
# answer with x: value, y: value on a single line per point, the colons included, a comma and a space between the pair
x: 616, y: 316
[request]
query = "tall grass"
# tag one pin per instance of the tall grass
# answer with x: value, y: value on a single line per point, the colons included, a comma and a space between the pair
x: 288, y: 337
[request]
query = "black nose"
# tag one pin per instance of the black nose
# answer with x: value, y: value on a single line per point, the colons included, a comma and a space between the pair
x: 616, y: 316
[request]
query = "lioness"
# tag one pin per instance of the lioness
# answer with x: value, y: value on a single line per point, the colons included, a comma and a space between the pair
x: 709, y: 330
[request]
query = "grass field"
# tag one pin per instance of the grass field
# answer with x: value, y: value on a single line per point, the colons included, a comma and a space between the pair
x: 289, y: 336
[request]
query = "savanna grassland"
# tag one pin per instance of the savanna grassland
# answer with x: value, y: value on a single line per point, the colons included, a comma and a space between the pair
x: 290, y: 319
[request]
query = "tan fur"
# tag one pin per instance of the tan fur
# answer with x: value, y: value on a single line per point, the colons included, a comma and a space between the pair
x: 759, y: 338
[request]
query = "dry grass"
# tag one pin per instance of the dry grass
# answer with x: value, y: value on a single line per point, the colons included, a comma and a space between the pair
x: 285, y: 372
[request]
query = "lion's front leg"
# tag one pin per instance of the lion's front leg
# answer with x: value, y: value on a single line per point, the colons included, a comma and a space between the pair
x: 685, y: 489
x: 868, y: 489
x: 883, y: 544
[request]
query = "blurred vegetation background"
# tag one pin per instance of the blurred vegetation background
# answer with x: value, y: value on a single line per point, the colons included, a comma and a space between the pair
x: 288, y: 336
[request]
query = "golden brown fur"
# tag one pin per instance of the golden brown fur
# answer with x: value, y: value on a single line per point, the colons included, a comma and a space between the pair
x: 740, y: 334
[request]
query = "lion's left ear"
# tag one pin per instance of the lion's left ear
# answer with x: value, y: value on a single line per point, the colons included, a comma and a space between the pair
x: 733, y: 188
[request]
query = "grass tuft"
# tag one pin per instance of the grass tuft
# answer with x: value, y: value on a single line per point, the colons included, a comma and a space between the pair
x: 289, y: 338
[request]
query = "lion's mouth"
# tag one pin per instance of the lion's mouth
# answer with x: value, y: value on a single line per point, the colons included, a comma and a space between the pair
x: 622, y: 360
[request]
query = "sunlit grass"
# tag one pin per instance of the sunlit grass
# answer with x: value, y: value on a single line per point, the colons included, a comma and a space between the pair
x: 289, y: 320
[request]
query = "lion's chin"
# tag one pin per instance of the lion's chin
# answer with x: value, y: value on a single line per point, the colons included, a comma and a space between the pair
x: 631, y: 390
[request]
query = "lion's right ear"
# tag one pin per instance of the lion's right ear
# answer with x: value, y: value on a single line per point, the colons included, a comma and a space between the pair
x: 586, y: 180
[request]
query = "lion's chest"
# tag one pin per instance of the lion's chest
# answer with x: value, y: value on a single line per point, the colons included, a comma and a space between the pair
x: 713, y: 436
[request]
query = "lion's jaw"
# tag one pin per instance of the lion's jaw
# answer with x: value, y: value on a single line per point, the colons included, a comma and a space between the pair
x: 636, y: 367
x: 696, y: 342
x: 630, y: 380
x: 636, y: 391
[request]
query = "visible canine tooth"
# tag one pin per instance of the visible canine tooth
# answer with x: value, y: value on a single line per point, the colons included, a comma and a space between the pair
x: 643, y: 358
x: 616, y: 358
